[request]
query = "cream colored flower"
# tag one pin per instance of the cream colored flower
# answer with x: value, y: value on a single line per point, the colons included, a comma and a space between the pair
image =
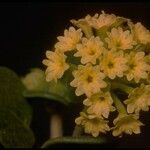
x: 35, y: 80
x: 141, y: 34
x: 69, y: 40
x: 56, y: 65
x: 138, y: 99
x: 126, y: 124
x: 92, y: 124
x: 88, y: 80
x: 119, y: 39
x: 99, y: 104
x: 90, y: 50
x: 98, y: 21
x: 137, y: 66
x: 84, y: 25
x: 113, y: 64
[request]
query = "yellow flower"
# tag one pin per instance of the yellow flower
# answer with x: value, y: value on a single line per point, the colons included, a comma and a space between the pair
x: 99, y: 104
x: 56, y: 65
x: 84, y: 25
x: 69, y: 40
x: 35, y: 80
x: 88, y: 80
x: 92, y: 124
x: 141, y: 34
x: 119, y: 39
x: 126, y: 124
x: 137, y: 66
x: 138, y: 99
x: 98, y: 21
x: 113, y: 64
x: 89, y: 50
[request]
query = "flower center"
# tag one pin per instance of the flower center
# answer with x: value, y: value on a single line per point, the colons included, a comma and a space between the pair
x: 89, y: 79
x: 118, y: 44
x: 110, y: 65
x: 102, y: 98
x: 132, y: 66
x: 92, y: 52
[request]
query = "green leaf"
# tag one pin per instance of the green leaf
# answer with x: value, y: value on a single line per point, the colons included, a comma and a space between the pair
x: 74, y: 140
x: 11, y: 96
x: 12, y: 100
x: 37, y: 86
x: 13, y: 132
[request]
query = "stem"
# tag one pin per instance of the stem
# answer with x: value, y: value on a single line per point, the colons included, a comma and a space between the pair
x: 77, y: 131
x: 74, y: 140
x: 55, y: 126
x: 121, y: 86
x: 120, y: 107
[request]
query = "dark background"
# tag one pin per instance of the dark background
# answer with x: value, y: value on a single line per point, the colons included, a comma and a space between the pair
x: 27, y: 30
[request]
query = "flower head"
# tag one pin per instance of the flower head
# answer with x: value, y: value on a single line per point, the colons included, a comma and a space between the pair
x: 126, y: 124
x: 92, y: 124
x: 119, y: 39
x: 88, y: 79
x: 98, y: 21
x: 141, y: 34
x: 69, y: 40
x: 56, y: 65
x: 99, y: 104
x: 90, y: 50
x: 138, y: 99
x: 113, y: 64
x: 137, y: 66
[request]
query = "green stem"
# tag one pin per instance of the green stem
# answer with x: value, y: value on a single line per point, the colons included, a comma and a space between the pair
x: 121, y: 86
x: 73, y: 140
x: 77, y: 131
x: 120, y: 107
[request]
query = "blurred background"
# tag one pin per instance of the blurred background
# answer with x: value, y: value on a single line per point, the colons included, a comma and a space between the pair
x: 27, y: 30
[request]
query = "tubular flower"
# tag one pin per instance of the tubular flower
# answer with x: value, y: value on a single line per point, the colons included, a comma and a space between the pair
x: 119, y: 39
x: 137, y: 66
x: 92, y: 124
x: 141, y: 34
x: 98, y: 21
x: 126, y: 124
x: 99, y: 104
x: 138, y: 99
x: 56, y: 65
x: 88, y: 80
x: 113, y: 64
x: 90, y: 50
x: 69, y: 40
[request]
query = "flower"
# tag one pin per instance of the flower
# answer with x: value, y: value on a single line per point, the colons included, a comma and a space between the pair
x: 113, y: 64
x: 89, y: 50
x: 141, y: 34
x: 137, y: 66
x: 119, y: 39
x: 98, y: 21
x: 56, y: 65
x: 92, y: 124
x: 126, y: 123
x: 99, y: 104
x: 69, y: 40
x: 138, y: 99
x: 88, y: 79
x: 35, y: 80
x: 84, y: 25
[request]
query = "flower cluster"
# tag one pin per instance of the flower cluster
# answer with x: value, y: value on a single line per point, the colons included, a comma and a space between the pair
x: 105, y: 53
